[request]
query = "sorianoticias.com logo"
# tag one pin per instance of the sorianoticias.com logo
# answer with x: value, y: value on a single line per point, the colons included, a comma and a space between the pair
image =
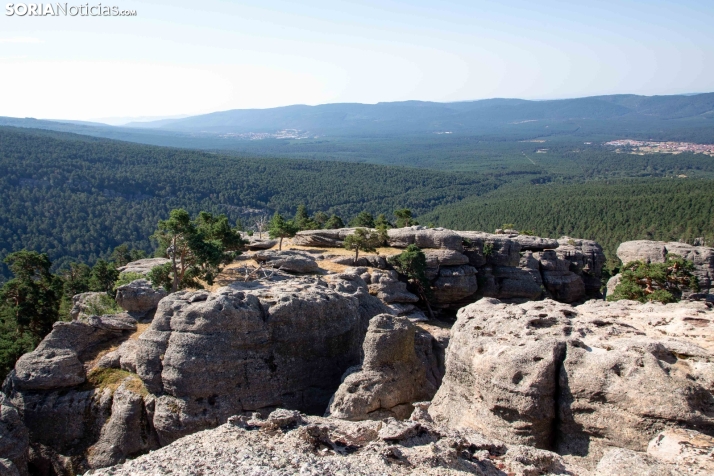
x: 63, y: 9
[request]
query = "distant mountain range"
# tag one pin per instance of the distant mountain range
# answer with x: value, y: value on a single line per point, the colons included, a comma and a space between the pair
x: 420, y: 117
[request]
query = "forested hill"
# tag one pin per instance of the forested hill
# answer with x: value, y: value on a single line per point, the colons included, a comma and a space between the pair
x: 459, y: 117
x: 610, y: 212
x: 78, y: 197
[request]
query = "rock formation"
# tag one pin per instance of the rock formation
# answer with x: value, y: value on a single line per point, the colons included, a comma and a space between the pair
x: 95, y: 392
x: 288, y: 260
x: 656, y: 251
x: 143, y: 266
x: 139, y: 298
x: 391, y: 378
x: 286, y: 443
x: 14, y: 440
x: 579, y: 379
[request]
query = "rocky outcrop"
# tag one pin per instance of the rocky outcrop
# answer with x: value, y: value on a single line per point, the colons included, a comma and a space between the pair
x: 286, y: 345
x: 391, y: 377
x: 323, y: 238
x: 388, y: 288
x: 143, y: 266
x: 425, y: 238
x: 288, y: 260
x: 300, y: 444
x: 579, y: 379
x: 86, y: 304
x: 90, y: 396
x: 139, y: 298
x: 454, y: 284
x: 14, y: 440
x: 372, y: 261
x: 255, y: 244
x: 656, y: 252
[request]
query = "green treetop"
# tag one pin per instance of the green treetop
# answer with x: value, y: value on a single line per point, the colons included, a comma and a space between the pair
x: 661, y: 282
x: 334, y: 223
x: 364, y: 219
x: 365, y: 240
x: 280, y: 228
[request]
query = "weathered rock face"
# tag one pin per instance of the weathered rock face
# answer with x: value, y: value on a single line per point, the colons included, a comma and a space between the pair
x: 143, y: 266
x: 138, y: 298
x: 255, y: 244
x: 205, y: 356
x: 586, y: 259
x: 286, y: 444
x: 688, y: 450
x: 656, y: 252
x: 391, y: 377
x: 425, y: 238
x: 286, y: 345
x: 84, y: 304
x: 288, y: 260
x: 14, y: 439
x: 323, y: 238
x: 387, y: 287
x: 372, y: 261
x: 454, y: 284
x: 523, y: 282
x: 578, y: 379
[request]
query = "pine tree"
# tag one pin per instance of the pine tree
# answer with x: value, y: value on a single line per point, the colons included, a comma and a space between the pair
x: 279, y: 228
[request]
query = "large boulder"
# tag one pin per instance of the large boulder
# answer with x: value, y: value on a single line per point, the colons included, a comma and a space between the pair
x: 444, y: 257
x: 388, y: 288
x: 391, y: 377
x: 425, y: 238
x: 14, y: 439
x: 255, y: 244
x: 86, y: 304
x: 143, y: 266
x: 579, y: 379
x: 586, y: 259
x: 323, y: 238
x: 248, y: 348
x: 561, y: 284
x: 454, y: 284
x: 492, y: 249
x: 288, y: 260
x: 139, y: 297
x: 506, y: 282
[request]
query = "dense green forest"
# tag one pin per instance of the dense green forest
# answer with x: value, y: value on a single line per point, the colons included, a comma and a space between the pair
x: 609, y: 212
x: 79, y: 197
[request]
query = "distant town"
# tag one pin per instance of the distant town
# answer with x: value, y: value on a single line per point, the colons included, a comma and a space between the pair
x: 649, y: 147
x: 282, y: 134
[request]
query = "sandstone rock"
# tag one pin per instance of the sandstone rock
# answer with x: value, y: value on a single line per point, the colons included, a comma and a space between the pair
x: 424, y: 238
x: 391, y: 376
x: 504, y: 282
x: 126, y: 433
x: 318, y: 446
x: 454, y: 284
x: 288, y: 260
x: 55, y: 363
x: 586, y: 258
x: 578, y: 379
x: 623, y: 461
x: 139, y: 297
x: 535, y: 243
x: 387, y: 287
x: 372, y: 261
x: 84, y: 304
x: 255, y: 244
x: 564, y: 286
x: 286, y: 345
x: 690, y: 450
x: 612, y: 284
x: 323, y: 238
x: 444, y: 257
x: 14, y: 439
x: 143, y: 266
x: 656, y: 251
x: 486, y: 248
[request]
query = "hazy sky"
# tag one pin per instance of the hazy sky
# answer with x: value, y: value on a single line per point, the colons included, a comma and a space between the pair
x: 183, y: 57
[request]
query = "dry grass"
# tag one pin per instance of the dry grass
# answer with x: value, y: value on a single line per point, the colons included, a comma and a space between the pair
x: 140, y: 329
x: 101, y: 379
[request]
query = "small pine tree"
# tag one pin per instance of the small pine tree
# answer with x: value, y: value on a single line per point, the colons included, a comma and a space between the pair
x: 364, y: 219
x: 302, y: 221
x: 412, y: 263
x: 334, y: 222
x: 280, y: 228
x: 320, y: 218
x: 382, y: 222
x: 660, y: 282
x: 103, y: 276
x: 365, y: 240
x: 404, y: 217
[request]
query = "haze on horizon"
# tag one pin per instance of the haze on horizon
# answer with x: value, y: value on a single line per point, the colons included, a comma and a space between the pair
x: 183, y: 58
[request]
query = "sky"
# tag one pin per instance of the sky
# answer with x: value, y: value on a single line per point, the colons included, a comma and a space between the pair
x: 183, y: 58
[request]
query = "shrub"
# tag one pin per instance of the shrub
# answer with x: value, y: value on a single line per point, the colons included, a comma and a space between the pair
x: 658, y: 282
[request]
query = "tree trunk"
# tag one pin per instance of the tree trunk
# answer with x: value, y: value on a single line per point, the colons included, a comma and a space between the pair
x: 356, y: 255
x: 280, y: 245
x: 174, y: 284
